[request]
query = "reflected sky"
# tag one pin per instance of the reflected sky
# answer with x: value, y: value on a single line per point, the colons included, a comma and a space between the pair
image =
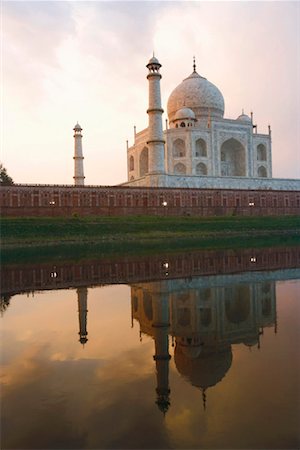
x: 58, y: 393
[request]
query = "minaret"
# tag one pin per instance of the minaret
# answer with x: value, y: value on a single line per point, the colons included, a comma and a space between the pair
x: 82, y: 314
x: 78, y: 158
x: 155, y: 137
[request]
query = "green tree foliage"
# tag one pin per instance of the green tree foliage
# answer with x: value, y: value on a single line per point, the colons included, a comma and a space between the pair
x: 5, y: 179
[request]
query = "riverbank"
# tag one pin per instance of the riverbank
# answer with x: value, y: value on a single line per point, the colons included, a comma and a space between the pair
x: 25, y: 238
x: 37, y: 231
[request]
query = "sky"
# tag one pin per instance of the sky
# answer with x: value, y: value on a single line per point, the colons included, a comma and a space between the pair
x: 84, y: 61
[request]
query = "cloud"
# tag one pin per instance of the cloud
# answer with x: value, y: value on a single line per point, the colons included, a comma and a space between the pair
x: 32, y: 32
x: 69, y: 61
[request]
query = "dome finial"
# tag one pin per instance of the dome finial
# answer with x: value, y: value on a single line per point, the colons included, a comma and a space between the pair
x: 194, y: 64
x: 204, y: 398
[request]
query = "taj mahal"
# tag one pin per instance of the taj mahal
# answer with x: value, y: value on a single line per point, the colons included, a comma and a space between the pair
x: 200, y: 163
x: 199, y: 147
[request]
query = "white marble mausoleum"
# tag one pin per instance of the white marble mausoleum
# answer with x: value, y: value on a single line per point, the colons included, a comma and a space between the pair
x: 199, y: 147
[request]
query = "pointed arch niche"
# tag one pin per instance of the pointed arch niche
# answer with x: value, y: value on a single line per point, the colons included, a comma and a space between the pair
x: 201, y: 169
x: 201, y: 150
x: 179, y: 148
x: 179, y: 169
x: 261, y: 153
x: 131, y: 163
x: 262, y: 172
x: 144, y: 162
x: 233, y: 159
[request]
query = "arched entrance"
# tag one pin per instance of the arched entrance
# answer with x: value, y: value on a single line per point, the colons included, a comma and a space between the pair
x: 144, y: 162
x: 233, y: 159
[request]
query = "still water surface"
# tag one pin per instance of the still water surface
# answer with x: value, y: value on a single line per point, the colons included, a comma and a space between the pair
x: 206, y: 362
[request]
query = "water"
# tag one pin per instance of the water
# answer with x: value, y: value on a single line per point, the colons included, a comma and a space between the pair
x: 165, y: 360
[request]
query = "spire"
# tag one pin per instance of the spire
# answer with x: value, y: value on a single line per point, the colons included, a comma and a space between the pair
x: 204, y: 398
x: 194, y: 64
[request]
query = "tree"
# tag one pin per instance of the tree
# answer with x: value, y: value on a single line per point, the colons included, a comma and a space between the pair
x: 5, y: 179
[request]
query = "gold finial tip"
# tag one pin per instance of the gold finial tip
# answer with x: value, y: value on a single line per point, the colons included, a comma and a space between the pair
x: 194, y: 63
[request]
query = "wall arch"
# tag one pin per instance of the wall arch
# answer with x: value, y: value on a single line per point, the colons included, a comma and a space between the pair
x: 147, y: 305
x: 261, y: 152
x: 237, y: 304
x: 180, y: 169
x: 184, y: 317
x: 205, y: 316
x: 135, y: 303
x: 131, y: 163
x: 201, y: 169
x: 201, y: 148
x: 179, y: 148
x: 233, y: 158
x: 144, y: 162
x: 262, y: 172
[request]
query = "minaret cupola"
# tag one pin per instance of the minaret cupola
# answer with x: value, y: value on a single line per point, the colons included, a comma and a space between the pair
x: 153, y: 65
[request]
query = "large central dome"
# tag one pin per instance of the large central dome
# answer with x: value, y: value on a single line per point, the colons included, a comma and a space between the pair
x: 198, y: 94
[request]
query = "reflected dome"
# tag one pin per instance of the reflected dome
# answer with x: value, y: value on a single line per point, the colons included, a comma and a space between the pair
x: 206, y: 370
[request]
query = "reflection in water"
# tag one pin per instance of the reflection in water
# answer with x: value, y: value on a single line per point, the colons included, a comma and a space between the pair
x: 23, y: 278
x: 82, y: 313
x: 203, y: 322
x: 201, y: 327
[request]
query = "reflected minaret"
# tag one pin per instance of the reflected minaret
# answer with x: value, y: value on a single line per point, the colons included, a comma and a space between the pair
x: 82, y: 314
x: 78, y: 157
x: 160, y: 333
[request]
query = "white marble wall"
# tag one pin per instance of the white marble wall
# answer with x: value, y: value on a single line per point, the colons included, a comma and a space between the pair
x: 209, y: 182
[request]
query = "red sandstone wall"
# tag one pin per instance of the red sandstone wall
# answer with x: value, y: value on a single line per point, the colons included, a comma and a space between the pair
x: 26, y: 200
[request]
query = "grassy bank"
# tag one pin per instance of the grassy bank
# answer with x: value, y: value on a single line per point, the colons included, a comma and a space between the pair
x: 32, y: 231
x: 26, y: 238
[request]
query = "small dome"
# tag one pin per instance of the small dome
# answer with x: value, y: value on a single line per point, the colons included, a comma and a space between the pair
x: 244, y: 118
x: 184, y: 113
x: 198, y: 94
x: 153, y: 64
x: 77, y: 127
x: 153, y: 60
